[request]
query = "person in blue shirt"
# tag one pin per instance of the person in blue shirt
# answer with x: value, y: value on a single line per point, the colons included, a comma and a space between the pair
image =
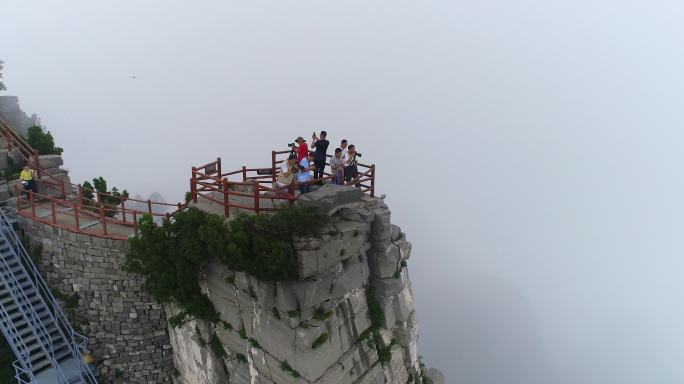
x: 304, y: 176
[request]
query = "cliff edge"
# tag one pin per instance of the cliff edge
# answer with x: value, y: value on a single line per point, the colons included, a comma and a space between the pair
x: 349, y: 318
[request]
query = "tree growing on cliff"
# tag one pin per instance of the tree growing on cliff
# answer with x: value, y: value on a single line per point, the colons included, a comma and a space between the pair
x: 171, y: 256
x: 2, y: 85
x: 41, y: 140
x: 111, y: 199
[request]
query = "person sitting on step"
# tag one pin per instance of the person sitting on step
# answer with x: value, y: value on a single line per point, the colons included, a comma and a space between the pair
x: 28, y: 180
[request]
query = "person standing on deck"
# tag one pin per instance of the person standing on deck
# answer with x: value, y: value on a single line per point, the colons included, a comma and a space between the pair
x: 321, y: 156
x: 345, y: 151
x: 28, y: 180
x: 304, y: 177
x: 337, y: 167
x: 351, y: 169
x: 302, y: 149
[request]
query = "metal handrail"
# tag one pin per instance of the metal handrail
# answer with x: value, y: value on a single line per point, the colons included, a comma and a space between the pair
x: 62, y: 322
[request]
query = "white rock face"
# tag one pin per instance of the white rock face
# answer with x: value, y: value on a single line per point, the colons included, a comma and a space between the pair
x: 317, y: 329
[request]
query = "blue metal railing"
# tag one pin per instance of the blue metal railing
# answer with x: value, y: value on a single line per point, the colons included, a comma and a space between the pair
x: 77, y: 343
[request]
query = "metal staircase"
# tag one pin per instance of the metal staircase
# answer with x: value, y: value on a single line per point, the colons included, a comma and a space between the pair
x: 47, y: 348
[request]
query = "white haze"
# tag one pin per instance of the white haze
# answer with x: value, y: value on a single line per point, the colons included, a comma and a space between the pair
x: 530, y: 149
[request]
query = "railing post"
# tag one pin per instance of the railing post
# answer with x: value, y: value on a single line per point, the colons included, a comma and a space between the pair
x: 99, y: 198
x: 256, y: 196
x: 226, y: 202
x: 80, y: 194
x: 32, y: 200
x: 193, y: 185
x: 54, y: 214
x: 18, y: 199
x: 36, y: 158
x: 273, y: 165
x: 149, y: 206
x: 135, y: 222
x: 244, y: 173
x: 218, y: 167
x: 372, y: 191
x: 9, y: 140
x: 104, y: 219
x: 63, y: 189
x: 123, y: 210
x: 78, y: 224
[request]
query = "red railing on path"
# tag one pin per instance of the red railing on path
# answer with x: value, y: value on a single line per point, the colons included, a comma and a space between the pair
x: 247, y: 188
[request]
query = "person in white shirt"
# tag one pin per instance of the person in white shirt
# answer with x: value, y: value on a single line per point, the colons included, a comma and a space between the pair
x: 345, y: 151
x: 337, y: 167
x: 305, y: 167
x: 286, y: 175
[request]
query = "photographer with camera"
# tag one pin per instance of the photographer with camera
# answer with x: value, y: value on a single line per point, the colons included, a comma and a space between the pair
x: 302, y: 149
x: 351, y: 169
x: 321, y: 155
x: 304, y: 176
x: 286, y: 175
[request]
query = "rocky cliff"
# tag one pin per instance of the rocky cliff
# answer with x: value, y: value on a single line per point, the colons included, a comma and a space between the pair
x: 350, y: 317
x: 11, y: 112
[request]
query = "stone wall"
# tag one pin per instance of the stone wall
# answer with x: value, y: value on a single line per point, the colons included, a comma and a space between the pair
x: 126, y: 327
x: 314, y: 330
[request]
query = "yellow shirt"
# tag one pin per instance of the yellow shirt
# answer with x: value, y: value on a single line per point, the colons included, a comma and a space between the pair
x: 88, y: 358
x: 26, y: 175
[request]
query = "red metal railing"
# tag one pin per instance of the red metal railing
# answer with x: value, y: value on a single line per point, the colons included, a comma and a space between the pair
x: 248, y: 188
x: 86, y: 217
x: 68, y: 211
x: 15, y: 142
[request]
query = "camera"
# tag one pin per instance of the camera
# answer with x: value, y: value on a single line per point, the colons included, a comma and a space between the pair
x: 359, y: 154
x: 292, y: 145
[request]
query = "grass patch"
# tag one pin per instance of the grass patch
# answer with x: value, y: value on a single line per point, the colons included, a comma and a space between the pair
x: 322, y: 339
x: 217, y: 347
x: 254, y: 343
x: 321, y: 314
x: 243, y: 333
x: 285, y: 366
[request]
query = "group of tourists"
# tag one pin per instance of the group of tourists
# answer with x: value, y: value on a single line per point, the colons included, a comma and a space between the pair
x: 302, y: 161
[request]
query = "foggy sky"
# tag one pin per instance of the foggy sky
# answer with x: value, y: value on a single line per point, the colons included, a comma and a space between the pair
x: 530, y: 149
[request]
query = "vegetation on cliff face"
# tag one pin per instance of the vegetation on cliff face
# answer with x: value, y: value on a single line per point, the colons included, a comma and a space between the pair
x: 2, y: 85
x: 6, y: 360
x: 171, y: 256
x: 41, y: 140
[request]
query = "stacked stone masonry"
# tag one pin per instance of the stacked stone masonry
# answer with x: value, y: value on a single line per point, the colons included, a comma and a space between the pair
x: 127, y: 328
x: 311, y: 330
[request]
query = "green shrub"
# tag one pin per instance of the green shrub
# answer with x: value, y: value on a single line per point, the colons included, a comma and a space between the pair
x: 217, y: 347
x: 285, y: 366
x: 321, y: 314
x: 241, y: 358
x: 170, y: 256
x: 385, y: 354
x: 111, y: 199
x: 320, y: 340
x: 254, y: 343
x: 42, y: 141
x: 6, y: 359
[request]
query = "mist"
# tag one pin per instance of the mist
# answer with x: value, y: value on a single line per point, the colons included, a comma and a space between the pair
x: 531, y: 150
